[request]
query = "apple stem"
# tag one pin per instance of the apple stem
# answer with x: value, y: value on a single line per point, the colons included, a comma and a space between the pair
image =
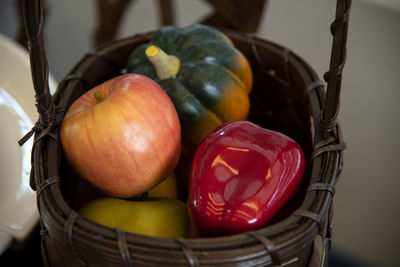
x: 167, y: 66
x: 99, y: 97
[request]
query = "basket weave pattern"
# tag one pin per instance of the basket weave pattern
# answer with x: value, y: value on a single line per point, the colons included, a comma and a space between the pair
x: 287, y: 96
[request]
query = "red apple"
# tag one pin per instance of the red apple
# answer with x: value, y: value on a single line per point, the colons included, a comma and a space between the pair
x: 241, y: 175
x: 123, y: 136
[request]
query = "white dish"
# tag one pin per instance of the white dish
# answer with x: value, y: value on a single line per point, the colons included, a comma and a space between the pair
x: 18, y: 210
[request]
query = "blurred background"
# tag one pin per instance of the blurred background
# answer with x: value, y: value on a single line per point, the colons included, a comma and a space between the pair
x: 366, y: 202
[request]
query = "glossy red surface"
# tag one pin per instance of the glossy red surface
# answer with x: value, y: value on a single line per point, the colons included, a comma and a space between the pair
x: 241, y: 176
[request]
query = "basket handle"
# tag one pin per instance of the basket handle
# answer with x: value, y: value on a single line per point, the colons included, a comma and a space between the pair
x: 32, y: 13
x: 333, y: 77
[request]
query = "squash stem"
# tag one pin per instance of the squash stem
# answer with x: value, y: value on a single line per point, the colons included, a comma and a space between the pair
x: 167, y: 66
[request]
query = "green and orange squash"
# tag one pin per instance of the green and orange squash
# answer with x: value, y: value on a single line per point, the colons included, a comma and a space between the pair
x: 206, y: 77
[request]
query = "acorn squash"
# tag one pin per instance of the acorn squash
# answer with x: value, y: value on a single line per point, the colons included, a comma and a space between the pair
x: 206, y: 77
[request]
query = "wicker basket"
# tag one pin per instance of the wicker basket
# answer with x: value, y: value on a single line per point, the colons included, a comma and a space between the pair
x: 297, y: 106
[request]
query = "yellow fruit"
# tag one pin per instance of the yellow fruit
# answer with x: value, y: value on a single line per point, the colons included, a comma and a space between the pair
x: 158, y: 217
x: 167, y: 189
